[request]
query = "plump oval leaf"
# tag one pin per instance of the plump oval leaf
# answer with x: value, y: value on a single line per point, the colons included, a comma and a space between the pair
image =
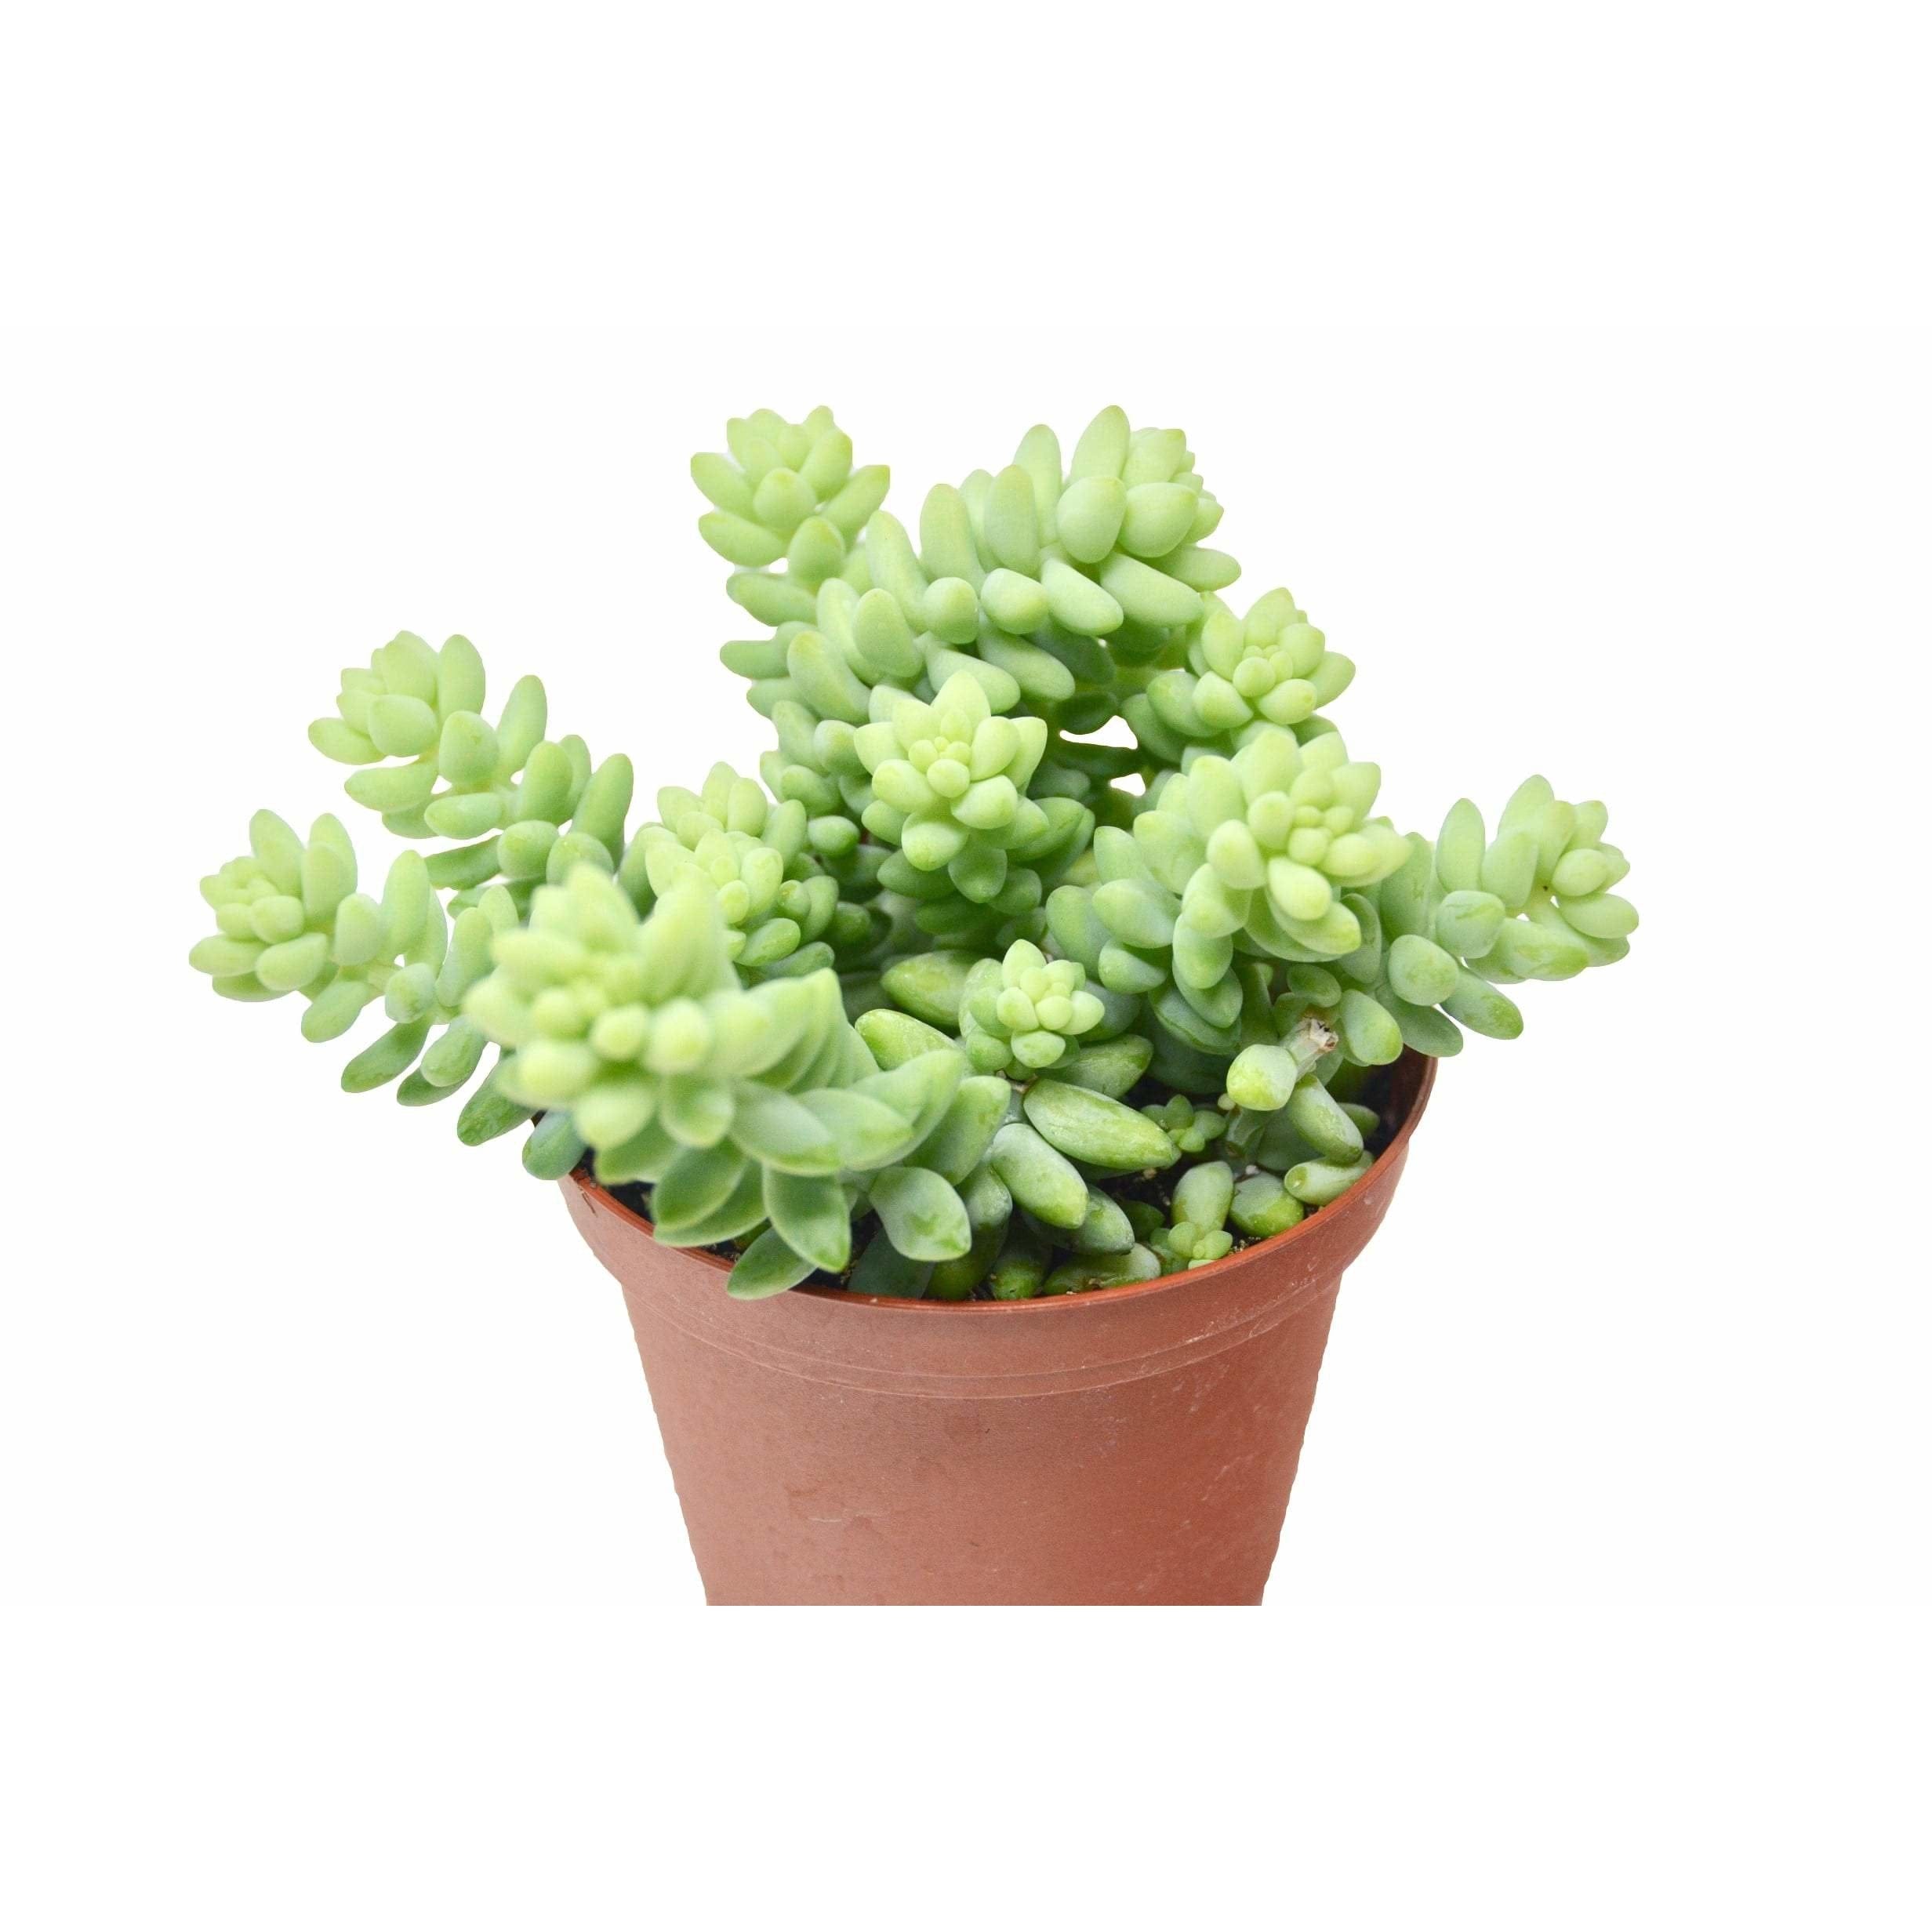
x: 1043, y: 1181
x: 776, y: 1129
x: 1091, y: 1126
x: 1110, y: 1069
x: 959, y: 1143
x: 810, y: 1212
x: 922, y: 1215
x: 694, y: 1187
x: 768, y: 1267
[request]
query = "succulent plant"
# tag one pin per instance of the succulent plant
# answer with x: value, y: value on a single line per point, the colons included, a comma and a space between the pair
x: 1195, y: 1231
x: 955, y: 999
x: 787, y: 493
x: 949, y: 783
x: 1191, y: 1129
x: 782, y: 908
x: 1025, y: 1010
x: 546, y: 806
x: 1114, y: 538
x: 1272, y: 666
x: 289, y: 919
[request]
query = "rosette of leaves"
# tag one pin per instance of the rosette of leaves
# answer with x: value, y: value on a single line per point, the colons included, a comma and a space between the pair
x: 939, y: 604
x: 1024, y: 1010
x: 1191, y: 1127
x: 640, y: 1029
x: 757, y: 1114
x: 938, y: 910
x: 1253, y: 853
x: 460, y: 776
x: 1469, y: 914
x: 774, y: 923
x: 1115, y: 539
x: 275, y: 910
x: 857, y: 642
x: 933, y: 987
x: 1013, y: 579
x: 1023, y: 571
x: 787, y: 494
x: 289, y: 919
x: 410, y: 702
x: 948, y: 785
x: 1550, y: 871
x: 737, y: 806
x: 781, y: 910
x: 1271, y: 666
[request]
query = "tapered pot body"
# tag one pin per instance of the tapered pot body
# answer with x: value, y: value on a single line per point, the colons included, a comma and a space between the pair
x: 1133, y: 1445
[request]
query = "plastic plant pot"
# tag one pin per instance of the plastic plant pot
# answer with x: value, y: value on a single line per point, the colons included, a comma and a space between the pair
x: 1134, y: 1444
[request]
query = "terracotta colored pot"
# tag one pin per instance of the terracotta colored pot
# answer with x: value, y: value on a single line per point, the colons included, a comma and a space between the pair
x: 1132, y: 1445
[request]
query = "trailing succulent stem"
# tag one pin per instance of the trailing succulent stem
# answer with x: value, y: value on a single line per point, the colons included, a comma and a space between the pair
x: 954, y: 998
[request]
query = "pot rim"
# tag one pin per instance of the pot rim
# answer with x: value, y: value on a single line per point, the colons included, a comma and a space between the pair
x: 1120, y: 1291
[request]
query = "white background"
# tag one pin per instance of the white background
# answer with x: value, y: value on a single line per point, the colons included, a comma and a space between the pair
x: 1575, y: 379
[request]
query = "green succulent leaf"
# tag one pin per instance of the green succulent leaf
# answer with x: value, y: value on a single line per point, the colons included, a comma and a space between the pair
x: 768, y: 1267
x: 812, y: 1213
x: 1089, y: 1126
x: 923, y: 1216
x: 1040, y: 1179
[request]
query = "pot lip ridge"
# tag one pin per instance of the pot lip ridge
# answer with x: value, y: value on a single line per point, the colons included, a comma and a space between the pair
x: 608, y: 1202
